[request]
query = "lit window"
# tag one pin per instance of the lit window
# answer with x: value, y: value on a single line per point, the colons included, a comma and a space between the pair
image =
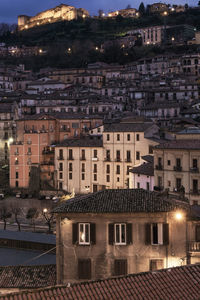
x: 84, y: 233
x: 120, y: 234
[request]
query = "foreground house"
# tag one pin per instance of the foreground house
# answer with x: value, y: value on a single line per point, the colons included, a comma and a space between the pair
x: 119, y: 232
x: 173, y: 283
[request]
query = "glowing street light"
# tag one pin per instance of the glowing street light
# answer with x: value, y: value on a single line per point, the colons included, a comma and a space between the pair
x: 178, y: 216
x: 45, y: 210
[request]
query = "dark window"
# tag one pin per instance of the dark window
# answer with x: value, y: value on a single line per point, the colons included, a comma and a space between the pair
x: 17, y: 175
x: 195, y: 185
x: 169, y: 162
x: 118, y: 137
x: 178, y: 162
x: 60, y: 166
x: 137, y: 137
x: 148, y: 186
x: 83, y: 168
x: 61, y: 153
x: 178, y: 183
x: 108, y: 178
x: 194, y: 163
x: 107, y: 154
x: 60, y: 175
x: 138, y: 185
x: 95, y: 168
x: 118, y: 169
x: 118, y: 155
x: 95, y: 153
x: 94, y: 188
x: 70, y: 176
x: 197, y: 233
x: 108, y: 137
x: 84, y: 269
x: 83, y: 176
x: 70, y: 167
x: 83, y: 154
x: 95, y: 177
x: 60, y: 185
x: 108, y: 169
x: 70, y: 154
x: 156, y: 264
x: 128, y: 137
x: 120, y: 267
x: 150, y: 149
x: 137, y: 155
x: 128, y: 155
x: 16, y: 183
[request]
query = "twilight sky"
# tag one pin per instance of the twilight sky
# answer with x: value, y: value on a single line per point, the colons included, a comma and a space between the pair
x: 10, y: 9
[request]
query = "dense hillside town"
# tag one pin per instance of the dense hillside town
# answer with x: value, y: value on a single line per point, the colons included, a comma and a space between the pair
x: 100, y: 146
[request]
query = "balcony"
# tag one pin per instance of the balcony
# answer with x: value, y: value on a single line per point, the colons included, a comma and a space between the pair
x: 70, y: 158
x: 195, y: 192
x: 107, y: 159
x: 194, y: 246
x: 118, y: 159
x: 83, y: 158
x: 159, y: 167
x: 60, y: 158
x: 128, y: 160
x: 194, y: 170
x: 177, y: 168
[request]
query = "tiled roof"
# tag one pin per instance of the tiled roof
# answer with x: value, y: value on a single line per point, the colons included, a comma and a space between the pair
x: 119, y: 201
x: 89, y: 141
x: 180, y: 144
x: 27, y: 276
x: 172, y: 283
x: 148, y: 158
x: 127, y: 127
x: 144, y: 169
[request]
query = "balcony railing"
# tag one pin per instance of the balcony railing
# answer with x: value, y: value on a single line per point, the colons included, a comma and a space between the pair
x: 70, y: 158
x: 118, y: 159
x: 107, y: 159
x: 177, y: 168
x: 60, y: 158
x: 194, y: 170
x: 159, y: 167
x: 195, y: 192
x: 194, y: 246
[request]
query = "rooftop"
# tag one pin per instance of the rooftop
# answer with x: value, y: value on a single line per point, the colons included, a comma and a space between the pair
x: 120, y: 201
x: 180, y: 144
x: 127, y: 127
x: 144, y: 169
x: 172, y: 283
x: 88, y: 141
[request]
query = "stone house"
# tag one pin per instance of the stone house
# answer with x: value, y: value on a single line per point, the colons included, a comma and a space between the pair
x: 118, y: 232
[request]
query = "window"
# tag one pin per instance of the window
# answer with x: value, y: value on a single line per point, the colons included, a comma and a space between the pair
x: 137, y: 137
x: 118, y: 155
x: 169, y: 162
x: 84, y: 268
x: 83, y: 176
x: 108, y: 169
x: 83, y: 168
x: 95, y: 153
x: 107, y: 178
x: 157, y: 234
x: 60, y: 175
x: 70, y: 176
x: 70, y: 154
x: 108, y: 155
x: 17, y: 183
x: 118, y: 137
x: 95, y: 168
x: 178, y: 183
x: 84, y: 233
x: 95, y: 177
x: 148, y: 188
x: 178, y: 162
x: 60, y: 166
x: 60, y: 153
x: 60, y: 185
x: 128, y: 137
x: 17, y: 175
x: 195, y: 186
x: 150, y: 149
x: 118, y: 169
x: 137, y: 155
x: 83, y: 154
x: 197, y: 233
x: 138, y: 185
x: 120, y: 233
x: 128, y: 156
x: 156, y: 264
x: 194, y: 163
x: 70, y: 167
x: 108, y: 137
x: 120, y: 267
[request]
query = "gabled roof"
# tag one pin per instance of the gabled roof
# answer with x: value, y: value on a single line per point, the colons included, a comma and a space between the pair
x: 119, y: 201
x: 27, y: 276
x: 172, y: 283
x: 144, y: 169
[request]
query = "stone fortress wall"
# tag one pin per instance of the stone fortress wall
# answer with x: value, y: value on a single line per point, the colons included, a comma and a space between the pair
x: 61, y: 12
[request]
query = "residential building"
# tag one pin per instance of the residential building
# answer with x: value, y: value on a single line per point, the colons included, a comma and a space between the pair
x: 122, y: 147
x: 150, y: 35
x: 119, y: 232
x: 176, y: 167
x: 125, y: 13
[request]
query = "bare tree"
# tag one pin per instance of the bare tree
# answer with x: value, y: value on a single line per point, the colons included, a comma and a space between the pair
x: 17, y: 211
x: 49, y: 217
x: 5, y: 214
x: 32, y: 215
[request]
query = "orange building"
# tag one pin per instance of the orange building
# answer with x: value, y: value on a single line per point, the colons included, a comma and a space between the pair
x: 34, y: 145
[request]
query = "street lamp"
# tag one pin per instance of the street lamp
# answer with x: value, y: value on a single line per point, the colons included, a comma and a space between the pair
x: 179, y: 216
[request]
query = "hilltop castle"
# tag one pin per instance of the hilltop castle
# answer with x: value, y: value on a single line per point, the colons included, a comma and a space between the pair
x: 60, y: 12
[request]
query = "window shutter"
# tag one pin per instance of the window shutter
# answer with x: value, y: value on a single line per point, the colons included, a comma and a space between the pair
x: 147, y: 234
x: 84, y: 268
x: 111, y: 234
x: 197, y: 233
x: 93, y: 233
x: 120, y: 267
x: 74, y: 233
x: 129, y: 238
x: 165, y: 234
